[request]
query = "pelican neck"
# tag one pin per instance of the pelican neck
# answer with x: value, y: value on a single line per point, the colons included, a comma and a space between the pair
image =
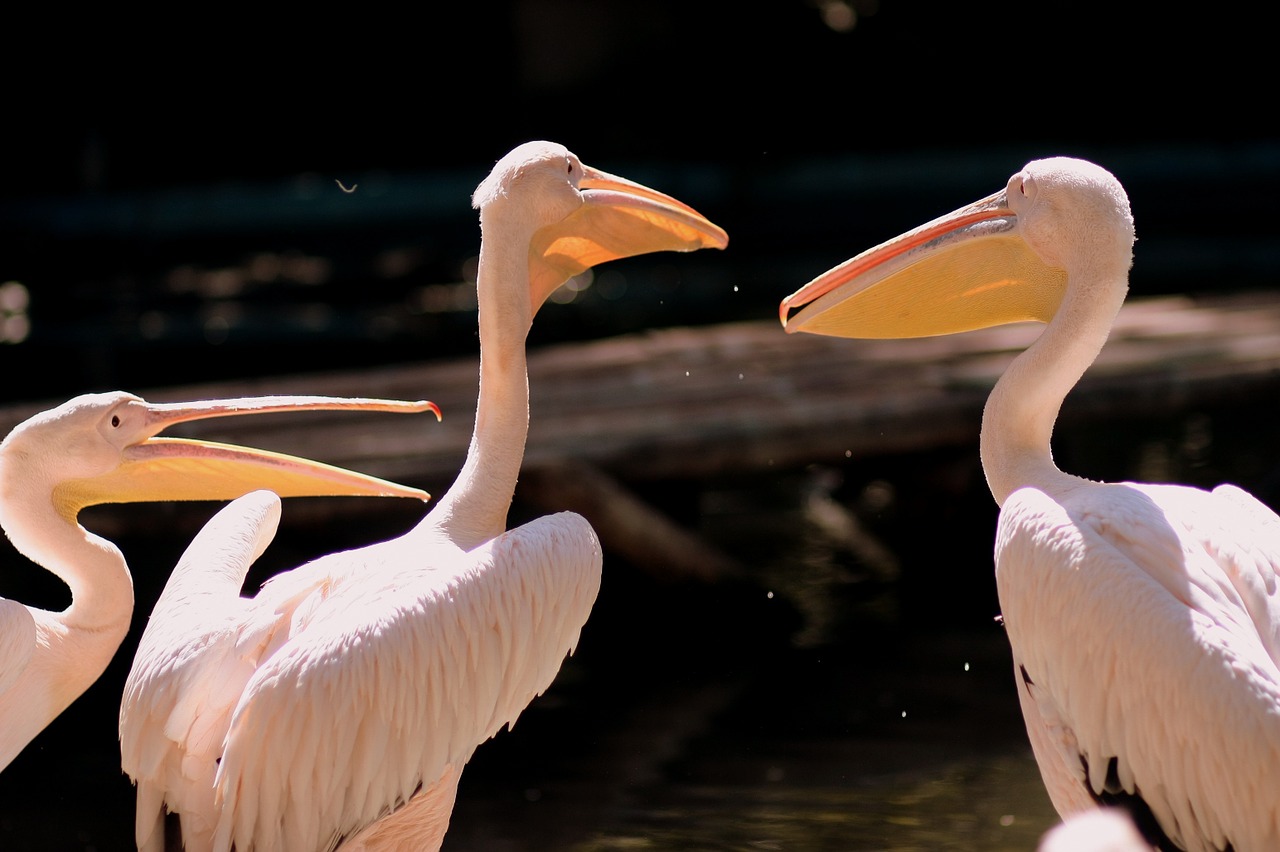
x: 1020, y: 413
x: 475, y: 508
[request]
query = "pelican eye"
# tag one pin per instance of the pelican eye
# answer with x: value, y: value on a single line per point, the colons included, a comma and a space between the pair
x: 1022, y: 188
x: 115, y: 421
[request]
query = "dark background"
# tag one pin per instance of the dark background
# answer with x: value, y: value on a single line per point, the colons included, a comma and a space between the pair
x: 170, y: 201
x: 119, y: 103
x: 143, y: 158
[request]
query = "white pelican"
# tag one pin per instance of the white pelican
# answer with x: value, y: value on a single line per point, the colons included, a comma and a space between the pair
x: 1097, y: 830
x: 1144, y: 619
x: 339, y: 705
x: 102, y: 448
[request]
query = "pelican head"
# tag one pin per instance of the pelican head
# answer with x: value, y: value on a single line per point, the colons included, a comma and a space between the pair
x: 999, y: 260
x: 582, y: 216
x: 104, y: 448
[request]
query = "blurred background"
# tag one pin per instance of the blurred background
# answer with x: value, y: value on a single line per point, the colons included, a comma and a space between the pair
x: 223, y: 196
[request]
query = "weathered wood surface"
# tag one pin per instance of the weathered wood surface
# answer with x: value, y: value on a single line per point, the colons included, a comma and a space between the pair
x: 690, y: 403
x: 695, y: 402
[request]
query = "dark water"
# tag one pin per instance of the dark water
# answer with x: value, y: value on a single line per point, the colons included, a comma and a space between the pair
x: 804, y: 753
x: 800, y: 751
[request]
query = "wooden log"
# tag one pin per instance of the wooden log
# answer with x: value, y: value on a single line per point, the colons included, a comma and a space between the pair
x: 686, y: 403
x: 626, y: 525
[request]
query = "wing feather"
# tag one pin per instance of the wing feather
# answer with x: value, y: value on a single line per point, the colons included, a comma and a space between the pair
x: 1143, y: 631
x: 202, y: 645
x: 184, y: 671
x: 411, y: 672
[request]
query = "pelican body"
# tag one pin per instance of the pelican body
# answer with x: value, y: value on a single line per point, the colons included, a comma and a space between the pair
x: 103, y: 448
x: 1144, y: 619
x: 338, y: 706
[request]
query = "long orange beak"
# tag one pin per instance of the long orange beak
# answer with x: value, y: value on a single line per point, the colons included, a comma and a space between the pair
x: 966, y: 270
x: 157, y: 469
x: 618, y: 218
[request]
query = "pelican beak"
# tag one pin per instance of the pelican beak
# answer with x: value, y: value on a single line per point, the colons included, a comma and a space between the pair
x: 967, y: 270
x: 161, y: 469
x: 618, y: 218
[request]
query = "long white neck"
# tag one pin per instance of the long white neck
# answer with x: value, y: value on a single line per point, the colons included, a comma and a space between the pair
x: 1018, y: 420
x: 74, y: 646
x: 475, y: 508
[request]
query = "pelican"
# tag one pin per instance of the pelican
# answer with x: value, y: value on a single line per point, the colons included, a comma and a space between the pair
x: 1098, y: 830
x: 339, y: 705
x: 103, y: 448
x: 1144, y: 619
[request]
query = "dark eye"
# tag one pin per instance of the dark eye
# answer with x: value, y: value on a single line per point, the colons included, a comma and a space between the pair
x: 115, y: 420
x: 569, y: 164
